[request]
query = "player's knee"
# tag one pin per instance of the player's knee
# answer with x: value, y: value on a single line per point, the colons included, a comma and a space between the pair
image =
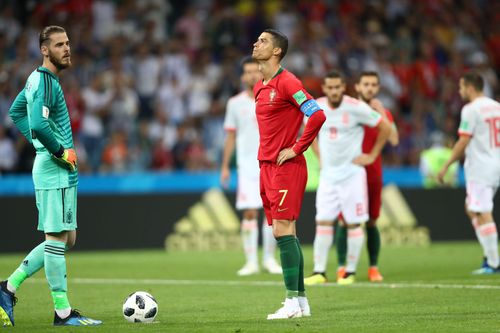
x: 371, y: 223
x: 250, y: 214
x: 483, y: 218
x: 353, y: 226
x: 324, y: 223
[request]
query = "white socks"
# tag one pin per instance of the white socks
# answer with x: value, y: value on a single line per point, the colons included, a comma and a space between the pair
x: 355, y: 238
x: 323, y: 240
x: 268, y: 242
x: 63, y: 313
x: 488, y: 238
x: 250, y: 238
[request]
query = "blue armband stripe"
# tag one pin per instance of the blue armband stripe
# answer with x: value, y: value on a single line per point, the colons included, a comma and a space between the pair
x: 309, y: 107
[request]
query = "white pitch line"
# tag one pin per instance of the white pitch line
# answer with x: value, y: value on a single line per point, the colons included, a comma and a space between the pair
x: 397, y: 285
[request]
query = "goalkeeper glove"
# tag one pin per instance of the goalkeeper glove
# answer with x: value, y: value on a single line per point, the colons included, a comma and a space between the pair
x: 68, y: 158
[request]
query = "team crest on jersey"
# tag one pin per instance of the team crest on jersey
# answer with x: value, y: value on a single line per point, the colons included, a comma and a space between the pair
x: 272, y: 95
x: 69, y: 217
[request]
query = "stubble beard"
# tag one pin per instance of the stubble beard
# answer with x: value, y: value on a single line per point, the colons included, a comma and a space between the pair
x: 57, y: 63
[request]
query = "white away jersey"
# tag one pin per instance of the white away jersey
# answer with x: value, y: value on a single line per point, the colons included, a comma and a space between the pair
x: 481, y: 120
x: 341, y: 137
x: 240, y: 117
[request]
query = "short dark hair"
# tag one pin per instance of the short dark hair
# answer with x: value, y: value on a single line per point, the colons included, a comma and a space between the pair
x: 46, y: 32
x: 279, y: 40
x: 368, y: 73
x: 475, y: 80
x: 334, y: 75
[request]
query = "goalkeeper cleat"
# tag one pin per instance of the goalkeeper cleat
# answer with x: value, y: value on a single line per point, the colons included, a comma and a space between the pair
x: 347, y: 279
x: 250, y: 268
x: 290, y: 309
x: 75, y: 319
x: 374, y: 274
x: 304, y: 306
x: 7, y: 302
x: 272, y: 266
x: 340, y: 272
x: 315, y: 278
x: 486, y: 270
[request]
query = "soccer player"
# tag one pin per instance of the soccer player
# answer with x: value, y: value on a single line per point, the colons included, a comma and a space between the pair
x: 240, y: 124
x: 479, y: 138
x: 342, y: 186
x: 41, y: 115
x: 281, y: 102
x: 367, y: 87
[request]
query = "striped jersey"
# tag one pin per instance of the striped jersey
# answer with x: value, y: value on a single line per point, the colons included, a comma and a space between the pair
x: 40, y: 113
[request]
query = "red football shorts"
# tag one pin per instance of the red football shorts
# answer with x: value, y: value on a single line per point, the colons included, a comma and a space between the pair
x: 282, y: 188
x: 374, y: 199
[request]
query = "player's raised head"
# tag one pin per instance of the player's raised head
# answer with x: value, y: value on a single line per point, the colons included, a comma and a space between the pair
x: 271, y: 42
x: 471, y: 83
x: 368, y: 85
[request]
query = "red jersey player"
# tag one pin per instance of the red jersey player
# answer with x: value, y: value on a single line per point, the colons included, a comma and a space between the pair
x: 281, y: 102
x: 367, y: 87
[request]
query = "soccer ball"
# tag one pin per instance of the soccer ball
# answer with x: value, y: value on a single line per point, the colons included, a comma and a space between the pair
x: 140, y: 307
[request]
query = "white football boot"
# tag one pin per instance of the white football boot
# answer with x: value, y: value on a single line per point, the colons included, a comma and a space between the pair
x: 290, y: 309
x: 272, y: 266
x: 304, y: 306
x: 250, y: 268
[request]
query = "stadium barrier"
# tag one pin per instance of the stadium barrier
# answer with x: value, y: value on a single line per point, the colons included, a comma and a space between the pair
x: 110, y: 221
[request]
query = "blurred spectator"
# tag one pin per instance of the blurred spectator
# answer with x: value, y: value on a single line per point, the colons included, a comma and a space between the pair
x: 433, y: 159
x: 115, y: 154
x: 133, y: 59
x: 8, y: 154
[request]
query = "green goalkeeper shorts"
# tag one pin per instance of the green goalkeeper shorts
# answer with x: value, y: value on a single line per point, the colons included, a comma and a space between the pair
x: 56, y: 209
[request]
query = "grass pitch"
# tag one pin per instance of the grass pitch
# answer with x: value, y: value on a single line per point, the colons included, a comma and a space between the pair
x: 425, y: 290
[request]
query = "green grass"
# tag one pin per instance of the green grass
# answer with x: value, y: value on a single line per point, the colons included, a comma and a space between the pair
x: 426, y: 290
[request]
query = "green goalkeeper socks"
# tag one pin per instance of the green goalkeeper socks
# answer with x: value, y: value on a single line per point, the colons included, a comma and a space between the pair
x: 55, y: 271
x: 31, y: 264
x: 341, y: 242
x: 290, y: 261
x: 373, y: 244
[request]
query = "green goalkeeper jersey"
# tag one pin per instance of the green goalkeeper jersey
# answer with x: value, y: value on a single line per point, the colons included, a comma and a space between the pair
x: 41, y: 115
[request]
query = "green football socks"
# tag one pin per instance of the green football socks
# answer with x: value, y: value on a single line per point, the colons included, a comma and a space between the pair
x: 302, y: 289
x: 31, y: 264
x: 341, y: 242
x: 373, y: 244
x: 290, y: 261
x: 55, y: 271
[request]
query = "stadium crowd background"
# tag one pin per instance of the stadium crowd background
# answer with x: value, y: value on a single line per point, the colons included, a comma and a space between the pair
x: 150, y: 79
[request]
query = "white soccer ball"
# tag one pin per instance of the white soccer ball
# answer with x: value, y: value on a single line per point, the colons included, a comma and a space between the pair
x: 140, y: 307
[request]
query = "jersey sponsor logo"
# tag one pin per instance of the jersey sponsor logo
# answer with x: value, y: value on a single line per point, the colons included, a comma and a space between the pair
x: 299, y: 97
x: 272, y: 95
x: 45, y: 112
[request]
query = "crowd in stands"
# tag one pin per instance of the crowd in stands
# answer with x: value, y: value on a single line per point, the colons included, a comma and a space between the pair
x: 150, y: 78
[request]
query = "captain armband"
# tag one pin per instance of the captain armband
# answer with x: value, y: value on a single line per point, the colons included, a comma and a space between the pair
x: 309, y: 107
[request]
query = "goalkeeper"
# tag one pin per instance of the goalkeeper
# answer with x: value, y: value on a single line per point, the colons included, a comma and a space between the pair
x: 41, y: 115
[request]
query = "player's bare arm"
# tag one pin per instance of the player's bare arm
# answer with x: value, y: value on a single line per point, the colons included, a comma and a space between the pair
x: 378, y: 106
x: 456, y: 154
x: 384, y: 130
x: 229, y: 144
